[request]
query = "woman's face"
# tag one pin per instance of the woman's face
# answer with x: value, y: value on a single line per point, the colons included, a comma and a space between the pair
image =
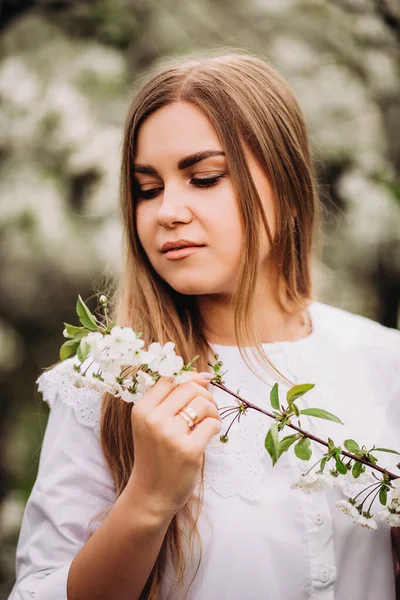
x: 184, y: 192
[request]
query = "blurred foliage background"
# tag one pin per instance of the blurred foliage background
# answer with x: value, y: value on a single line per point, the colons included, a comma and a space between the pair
x: 67, y: 68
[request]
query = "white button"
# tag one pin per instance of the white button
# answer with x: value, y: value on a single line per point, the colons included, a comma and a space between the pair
x: 319, y: 519
x: 323, y: 574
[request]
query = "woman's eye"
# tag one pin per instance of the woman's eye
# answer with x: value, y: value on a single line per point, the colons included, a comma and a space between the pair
x: 205, y: 181
x: 147, y: 194
x: 201, y: 182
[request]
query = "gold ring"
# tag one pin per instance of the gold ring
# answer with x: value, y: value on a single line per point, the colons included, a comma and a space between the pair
x: 192, y: 413
x: 182, y: 413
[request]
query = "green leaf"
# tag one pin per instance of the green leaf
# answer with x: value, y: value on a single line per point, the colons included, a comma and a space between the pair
x: 110, y: 326
x: 321, y: 414
x: 188, y: 367
x: 272, y: 443
x: 69, y: 349
x: 83, y: 350
x: 383, y: 495
x: 303, y: 449
x: 295, y: 409
x: 386, y: 450
x: 323, y: 463
x: 274, y: 397
x: 75, y: 332
x: 357, y: 469
x: 85, y: 316
x: 298, y: 390
x: 351, y: 445
x: 285, y: 443
x: 341, y: 467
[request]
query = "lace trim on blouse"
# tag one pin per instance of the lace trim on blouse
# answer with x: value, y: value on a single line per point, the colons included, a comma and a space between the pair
x: 56, y: 383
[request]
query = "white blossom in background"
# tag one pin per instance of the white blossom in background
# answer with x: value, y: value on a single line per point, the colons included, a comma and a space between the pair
x: 371, y: 211
x: 76, y: 123
x: 105, y: 63
x: 11, y: 513
x: 19, y: 85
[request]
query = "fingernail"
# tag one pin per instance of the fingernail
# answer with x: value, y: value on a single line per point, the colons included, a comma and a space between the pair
x: 206, y: 375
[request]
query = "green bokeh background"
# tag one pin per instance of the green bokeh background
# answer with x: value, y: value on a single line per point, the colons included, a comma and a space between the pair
x: 66, y: 72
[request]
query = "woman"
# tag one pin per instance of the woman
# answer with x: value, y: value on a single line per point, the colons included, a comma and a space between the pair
x: 220, y: 206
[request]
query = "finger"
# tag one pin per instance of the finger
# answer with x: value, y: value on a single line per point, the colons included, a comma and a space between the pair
x: 202, y: 433
x: 179, y: 426
x: 180, y: 397
x: 157, y: 394
x: 164, y: 386
x: 202, y: 407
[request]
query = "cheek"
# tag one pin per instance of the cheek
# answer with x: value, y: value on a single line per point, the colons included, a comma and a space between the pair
x: 145, y: 225
x: 226, y: 213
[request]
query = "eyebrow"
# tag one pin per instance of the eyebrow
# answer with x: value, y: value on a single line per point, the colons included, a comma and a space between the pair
x: 183, y: 164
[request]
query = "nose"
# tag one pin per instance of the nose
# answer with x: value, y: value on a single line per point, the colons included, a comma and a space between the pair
x: 174, y: 207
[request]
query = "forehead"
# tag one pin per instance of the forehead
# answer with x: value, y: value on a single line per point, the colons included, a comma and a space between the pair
x: 175, y: 130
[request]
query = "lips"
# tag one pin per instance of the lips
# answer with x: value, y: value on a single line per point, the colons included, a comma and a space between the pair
x: 178, y: 245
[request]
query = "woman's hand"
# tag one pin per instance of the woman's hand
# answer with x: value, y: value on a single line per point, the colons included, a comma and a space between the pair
x: 168, y: 454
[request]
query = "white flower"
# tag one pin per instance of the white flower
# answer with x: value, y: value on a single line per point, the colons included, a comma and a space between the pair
x: 107, y: 383
x: 127, y: 395
x: 348, y: 484
x: 124, y: 346
x: 144, y: 382
x: 369, y: 523
x: 132, y: 390
x: 163, y: 360
x: 348, y: 509
x: 391, y: 518
x: 121, y: 347
x: 394, y: 493
x: 96, y: 343
x: 92, y: 378
x: 312, y: 482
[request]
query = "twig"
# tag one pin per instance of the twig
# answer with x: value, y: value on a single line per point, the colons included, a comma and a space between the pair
x: 305, y: 433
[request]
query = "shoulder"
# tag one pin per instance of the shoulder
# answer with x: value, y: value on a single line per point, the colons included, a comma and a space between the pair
x: 353, y: 329
x: 355, y: 336
x: 57, y: 386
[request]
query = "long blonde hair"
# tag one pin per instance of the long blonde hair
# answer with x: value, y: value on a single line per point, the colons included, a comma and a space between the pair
x: 247, y: 102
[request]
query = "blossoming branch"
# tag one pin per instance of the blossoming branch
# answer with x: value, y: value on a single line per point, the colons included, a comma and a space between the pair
x: 126, y: 370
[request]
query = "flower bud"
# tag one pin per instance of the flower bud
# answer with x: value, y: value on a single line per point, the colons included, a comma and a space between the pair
x: 103, y: 301
x: 65, y: 333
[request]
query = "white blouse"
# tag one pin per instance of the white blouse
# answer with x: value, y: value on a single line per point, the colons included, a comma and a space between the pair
x: 261, y: 540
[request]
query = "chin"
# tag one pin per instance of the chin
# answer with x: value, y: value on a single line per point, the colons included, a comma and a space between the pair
x: 197, y: 287
x: 192, y: 290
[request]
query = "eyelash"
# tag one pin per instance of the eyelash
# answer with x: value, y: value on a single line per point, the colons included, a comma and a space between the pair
x: 203, y: 182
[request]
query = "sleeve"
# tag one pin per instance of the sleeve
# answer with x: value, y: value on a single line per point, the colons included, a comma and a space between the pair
x: 72, y: 492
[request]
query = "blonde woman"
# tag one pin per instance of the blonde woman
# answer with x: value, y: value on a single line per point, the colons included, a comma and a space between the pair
x: 219, y: 205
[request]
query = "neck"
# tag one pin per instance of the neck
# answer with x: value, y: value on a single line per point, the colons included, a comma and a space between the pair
x: 273, y: 322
